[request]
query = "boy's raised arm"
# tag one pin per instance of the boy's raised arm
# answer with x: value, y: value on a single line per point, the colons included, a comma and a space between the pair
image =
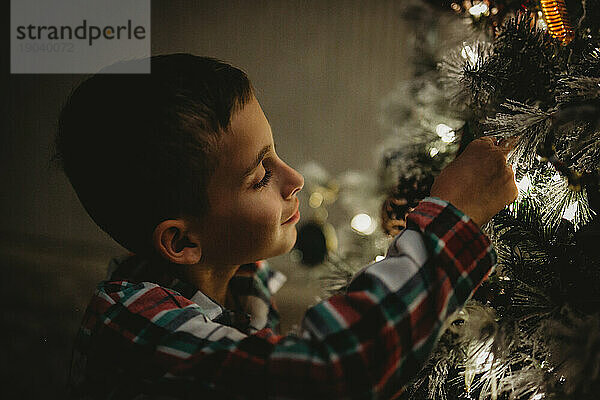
x: 366, y: 343
x: 375, y: 337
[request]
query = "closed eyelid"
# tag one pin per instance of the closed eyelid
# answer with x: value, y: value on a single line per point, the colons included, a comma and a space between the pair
x: 264, y: 181
x: 257, y: 161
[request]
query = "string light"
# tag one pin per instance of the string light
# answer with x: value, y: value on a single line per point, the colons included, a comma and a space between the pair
x: 557, y: 20
x: 315, y: 200
x: 480, y: 360
x: 524, y: 184
x: 570, y: 211
x: 478, y: 10
x: 363, y: 223
x: 445, y: 132
x: 468, y: 53
x: 484, y: 360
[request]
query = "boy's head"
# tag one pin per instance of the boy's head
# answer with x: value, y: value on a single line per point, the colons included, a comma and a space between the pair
x: 159, y: 161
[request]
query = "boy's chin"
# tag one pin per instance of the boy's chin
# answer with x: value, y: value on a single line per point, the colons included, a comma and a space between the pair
x: 287, y: 244
x: 292, y: 241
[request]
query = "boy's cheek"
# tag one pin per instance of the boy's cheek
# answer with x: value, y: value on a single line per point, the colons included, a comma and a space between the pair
x: 263, y: 238
x: 247, y: 229
x: 263, y: 210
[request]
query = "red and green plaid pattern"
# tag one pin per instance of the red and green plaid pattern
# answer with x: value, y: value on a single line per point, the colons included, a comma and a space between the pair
x: 146, y: 338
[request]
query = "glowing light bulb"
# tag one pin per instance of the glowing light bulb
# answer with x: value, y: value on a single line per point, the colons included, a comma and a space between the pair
x: 445, y: 132
x: 315, y: 200
x: 478, y: 362
x: 524, y: 184
x: 484, y: 360
x: 433, y: 152
x: 570, y: 212
x: 362, y: 223
x: 379, y: 258
x: 469, y: 54
x: 478, y: 10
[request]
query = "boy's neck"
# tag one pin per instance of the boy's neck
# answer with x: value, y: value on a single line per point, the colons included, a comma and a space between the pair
x: 211, y: 280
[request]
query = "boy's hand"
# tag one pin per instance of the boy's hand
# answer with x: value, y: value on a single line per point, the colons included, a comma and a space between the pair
x: 478, y: 182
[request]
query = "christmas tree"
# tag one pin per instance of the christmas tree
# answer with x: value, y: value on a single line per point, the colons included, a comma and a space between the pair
x: 513, y: 68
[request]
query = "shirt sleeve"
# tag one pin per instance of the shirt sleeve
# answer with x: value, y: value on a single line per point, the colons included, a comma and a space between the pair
x: 365, y: 343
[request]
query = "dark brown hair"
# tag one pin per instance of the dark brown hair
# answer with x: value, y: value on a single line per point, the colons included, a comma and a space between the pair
x: 140, y: 148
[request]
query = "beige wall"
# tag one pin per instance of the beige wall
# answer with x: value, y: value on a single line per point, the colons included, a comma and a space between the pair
x: 321, y: 68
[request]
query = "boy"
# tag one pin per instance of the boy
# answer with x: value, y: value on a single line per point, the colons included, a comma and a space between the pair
x: 180, y: 167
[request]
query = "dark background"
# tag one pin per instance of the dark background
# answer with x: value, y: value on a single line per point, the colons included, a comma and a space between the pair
x: 321, y: 69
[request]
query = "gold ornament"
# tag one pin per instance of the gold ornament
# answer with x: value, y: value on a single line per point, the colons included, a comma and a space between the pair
x: 557, y: 19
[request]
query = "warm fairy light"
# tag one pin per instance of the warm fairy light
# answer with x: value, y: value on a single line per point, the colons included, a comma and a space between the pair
x: 433, y: 152
x: 478, y: 10
x: 481, y: 360
x: 557, y: 19
x: 484, y: 360
x: 570, y: 212
x: 362, y: 223
x: 379, y: 258
x: 524, y: 184
x: 315, y: 200
x: 468, y: 53
x: 445, y: 132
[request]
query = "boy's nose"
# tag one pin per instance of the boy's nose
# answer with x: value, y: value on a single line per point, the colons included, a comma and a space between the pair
x: 294, y: 184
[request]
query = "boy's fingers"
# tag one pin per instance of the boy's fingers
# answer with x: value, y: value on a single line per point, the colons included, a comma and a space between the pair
x: 508, y: 144
x: 488, y: 139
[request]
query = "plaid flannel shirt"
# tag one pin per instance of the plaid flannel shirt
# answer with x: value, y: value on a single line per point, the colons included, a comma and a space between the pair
x: 153, y: 339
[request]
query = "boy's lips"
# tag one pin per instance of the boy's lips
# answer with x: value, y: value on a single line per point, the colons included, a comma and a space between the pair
x: 295, y: 216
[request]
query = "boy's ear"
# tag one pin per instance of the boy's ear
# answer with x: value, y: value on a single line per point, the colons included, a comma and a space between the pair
x: 174, y: 242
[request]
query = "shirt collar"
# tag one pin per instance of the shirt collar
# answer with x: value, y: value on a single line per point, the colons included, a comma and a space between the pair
x: 252, y: 288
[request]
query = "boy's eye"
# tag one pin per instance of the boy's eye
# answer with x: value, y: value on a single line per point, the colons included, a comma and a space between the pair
x: 265, y: 180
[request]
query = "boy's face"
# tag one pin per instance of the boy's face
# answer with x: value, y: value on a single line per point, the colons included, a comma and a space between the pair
x: 252, y: 195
